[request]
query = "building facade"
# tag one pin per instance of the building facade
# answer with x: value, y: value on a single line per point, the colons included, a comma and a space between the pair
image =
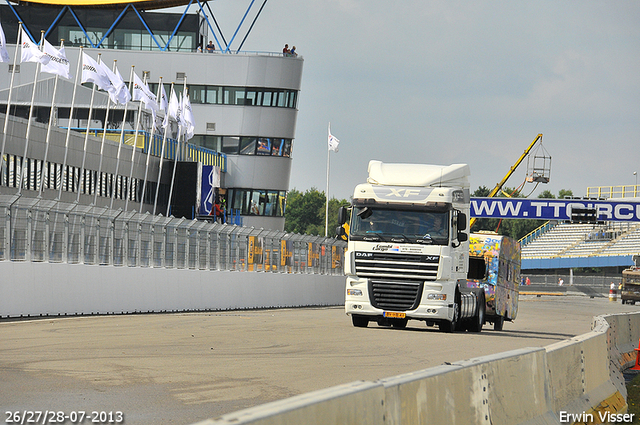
x: 244, y: 105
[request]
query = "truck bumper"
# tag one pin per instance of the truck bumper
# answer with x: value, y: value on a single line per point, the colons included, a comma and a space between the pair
x: 357, y: 301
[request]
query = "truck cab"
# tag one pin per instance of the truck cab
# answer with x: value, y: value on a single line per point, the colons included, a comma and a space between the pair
x: 408, y: 250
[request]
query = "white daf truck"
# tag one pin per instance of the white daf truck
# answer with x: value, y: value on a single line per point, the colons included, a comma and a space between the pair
x: 408, y: 250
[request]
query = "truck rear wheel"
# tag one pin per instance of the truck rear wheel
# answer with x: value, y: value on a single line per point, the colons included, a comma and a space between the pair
x: 359, y: 321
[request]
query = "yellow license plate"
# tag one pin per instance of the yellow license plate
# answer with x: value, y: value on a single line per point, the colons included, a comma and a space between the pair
x: 394, y: 315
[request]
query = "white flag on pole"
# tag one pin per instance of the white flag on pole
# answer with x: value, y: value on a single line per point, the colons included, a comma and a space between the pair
x: 175, y: 109
x: 141, y: 92
x: 117, y: 86
x: 124, y: 95
x: 4, y: 55
x: 187, y: 113
x: 333, y: 141
x: 30, y: 52
x: 58, y: 62
x: 94, y: 73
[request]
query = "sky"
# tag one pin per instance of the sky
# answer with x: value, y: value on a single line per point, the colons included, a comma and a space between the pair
x: 444, y: 82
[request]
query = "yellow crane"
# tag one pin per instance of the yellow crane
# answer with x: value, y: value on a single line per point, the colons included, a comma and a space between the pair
x: 511, y: 171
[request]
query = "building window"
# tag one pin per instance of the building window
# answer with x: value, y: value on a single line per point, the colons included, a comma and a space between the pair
x: 260, y: 202
x: 244, y: 96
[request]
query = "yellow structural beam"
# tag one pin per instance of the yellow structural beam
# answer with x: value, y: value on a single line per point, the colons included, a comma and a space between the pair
x: 511, y: 171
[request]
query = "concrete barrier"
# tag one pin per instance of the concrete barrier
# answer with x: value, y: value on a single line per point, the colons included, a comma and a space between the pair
x: 42, y: 289
x: 574, y: 381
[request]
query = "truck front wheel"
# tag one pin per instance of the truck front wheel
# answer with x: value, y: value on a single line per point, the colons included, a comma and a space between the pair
x: 359, y: 321
x: 452, y: 326
x: 478, y: 319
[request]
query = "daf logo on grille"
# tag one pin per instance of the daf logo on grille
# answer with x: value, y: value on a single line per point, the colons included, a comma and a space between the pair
x: 364, y: 254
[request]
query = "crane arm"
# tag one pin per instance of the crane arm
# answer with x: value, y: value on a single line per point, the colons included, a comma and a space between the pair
x: 511, y: 171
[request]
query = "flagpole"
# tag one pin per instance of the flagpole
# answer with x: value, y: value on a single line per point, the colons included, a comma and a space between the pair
x: 178, y: 152
x: 104, y: 136
x: 326, y: 202
x: 146, y: 168
x: 133, y: 153
x: 86, y: 137
x: 66, y: 143
x: 20, y: 176
x: 164, y: 141
x: 326, y: 209
x: 114, y: 185
x: 6, y: 117
x: 46, y: 143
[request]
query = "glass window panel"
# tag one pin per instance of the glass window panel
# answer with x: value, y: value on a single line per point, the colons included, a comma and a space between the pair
x: 282, y: 201
x: 214, y: 95
x: 251, y: 97
x: 282, y: 98
x: 239, y: 97
x: 236, y: 199
x: 264, y: 146
x: 258, y: 201
x: 246, y: 196
x: 287, y: 148
x: 277, y: 146
x: 197, y: 94
x: 266, y: 98
x: 230, y: 144
x: 248, y: 145
x: 292, y: 99
x: 271, y: 205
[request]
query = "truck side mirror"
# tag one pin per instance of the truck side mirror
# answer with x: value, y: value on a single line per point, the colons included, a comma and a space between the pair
x: 462, y: 237
x: 342, y: 215
x: 340, y: 232
x: 462, y: 222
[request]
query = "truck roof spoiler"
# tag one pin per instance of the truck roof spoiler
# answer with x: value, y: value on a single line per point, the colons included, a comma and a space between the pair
x: 420, y: 175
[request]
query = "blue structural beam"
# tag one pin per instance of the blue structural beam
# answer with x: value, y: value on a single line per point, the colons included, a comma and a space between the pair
x: 553, y: 209
x: 573, y: 262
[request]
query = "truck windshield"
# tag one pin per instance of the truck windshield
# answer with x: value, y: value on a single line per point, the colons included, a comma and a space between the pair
x: 391, y: 225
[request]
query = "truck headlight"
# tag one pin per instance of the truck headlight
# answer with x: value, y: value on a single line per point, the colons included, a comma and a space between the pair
x: 354, y: 292
x: 439, y: 297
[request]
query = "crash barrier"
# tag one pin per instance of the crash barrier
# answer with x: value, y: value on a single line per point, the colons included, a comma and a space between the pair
x: 40, y: 230
x: 574, y: 381
x: 123, y: 261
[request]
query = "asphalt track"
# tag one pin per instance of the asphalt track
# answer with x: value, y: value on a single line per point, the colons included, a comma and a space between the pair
x: 183, y: 368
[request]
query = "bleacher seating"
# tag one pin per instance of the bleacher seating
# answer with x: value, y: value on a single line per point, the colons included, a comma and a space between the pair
x: 585, y: 240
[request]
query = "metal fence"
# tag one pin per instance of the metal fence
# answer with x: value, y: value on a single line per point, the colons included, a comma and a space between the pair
x: 50, y: 231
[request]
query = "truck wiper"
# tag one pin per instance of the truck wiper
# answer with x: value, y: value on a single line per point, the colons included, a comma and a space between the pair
x: 371, y: 238
x: 400, y: 238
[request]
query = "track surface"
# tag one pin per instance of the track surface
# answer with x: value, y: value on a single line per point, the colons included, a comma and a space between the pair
x: 183, y: 368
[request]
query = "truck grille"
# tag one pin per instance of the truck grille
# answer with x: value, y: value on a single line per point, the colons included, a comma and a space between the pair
x: 394, y: 295
x: 396, y: 266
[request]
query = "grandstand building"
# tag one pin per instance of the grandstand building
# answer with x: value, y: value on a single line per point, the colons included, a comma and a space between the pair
x: 561, y: 247
x: 244, y: 105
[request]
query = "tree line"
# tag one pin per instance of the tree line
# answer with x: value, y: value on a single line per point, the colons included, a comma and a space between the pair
x: 305, y: 213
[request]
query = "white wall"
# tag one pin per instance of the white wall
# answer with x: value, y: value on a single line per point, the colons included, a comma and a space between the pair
x: 34, y: 289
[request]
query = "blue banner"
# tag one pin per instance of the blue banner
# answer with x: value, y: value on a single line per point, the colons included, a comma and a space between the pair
x: 552, y: 209
x: 210, y: 181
